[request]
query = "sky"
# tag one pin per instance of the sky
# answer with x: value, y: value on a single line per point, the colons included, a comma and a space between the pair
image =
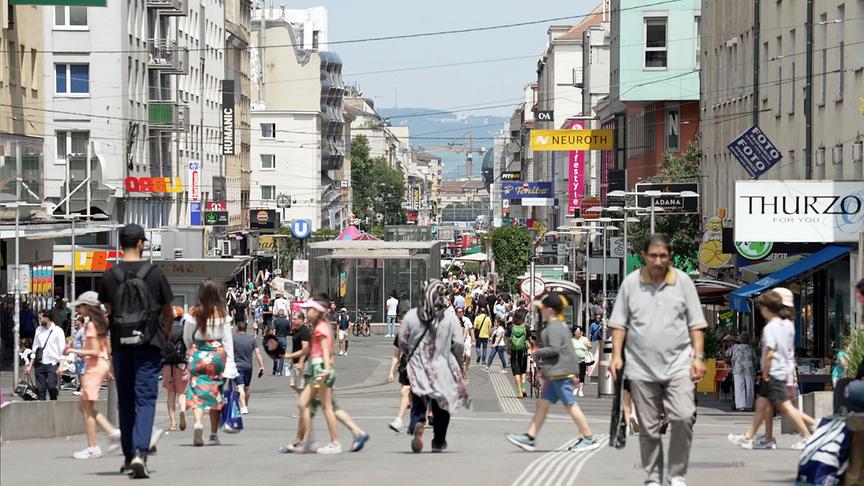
x: 470, y: 85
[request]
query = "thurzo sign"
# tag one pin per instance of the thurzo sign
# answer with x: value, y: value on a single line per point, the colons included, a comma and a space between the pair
x: 799, y: 211
x: 755, y: 152
x: 546, y: 140
x: 228, y: 117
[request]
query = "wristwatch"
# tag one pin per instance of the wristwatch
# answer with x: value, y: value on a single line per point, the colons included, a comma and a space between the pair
x: 700, y: 357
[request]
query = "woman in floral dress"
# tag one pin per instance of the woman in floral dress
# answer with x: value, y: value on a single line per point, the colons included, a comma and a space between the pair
x: 207, y: 334
x: 743, y: 372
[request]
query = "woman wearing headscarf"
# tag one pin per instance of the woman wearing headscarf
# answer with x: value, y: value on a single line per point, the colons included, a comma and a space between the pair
x: 431, y: 336
x: 207, y: 334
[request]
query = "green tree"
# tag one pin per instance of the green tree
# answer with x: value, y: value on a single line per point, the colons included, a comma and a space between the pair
x: 289, y: 249
x: 511, y: 247
x: 324, y: 234
x: 685, y: 230
x: 377, y: 188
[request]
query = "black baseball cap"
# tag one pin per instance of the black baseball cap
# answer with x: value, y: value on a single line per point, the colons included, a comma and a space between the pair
x: 132, y: 232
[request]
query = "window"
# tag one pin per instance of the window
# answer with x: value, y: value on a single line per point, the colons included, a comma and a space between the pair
x: 655, y: 42
x: 268, y: 130
x: 268, y: 193
x: 315, y: 39
x: 268, y: 161
x: 697, y: 22
x: 840, y: 86
x: 70, y: 17
x: 71, y: 143
x: 72, y: 79
x: 673, y: 128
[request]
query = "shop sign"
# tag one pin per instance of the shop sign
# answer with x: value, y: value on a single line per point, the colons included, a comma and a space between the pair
x: 90, y: 261
x: 512, y: 175
x: 267, y: 243
x: 727, y: 318
x: 799, y: 211
x: 228, y: 117
x: 42, y: 278
x: 670, y: 204
x: 216, y: 218
x: 755, y: 152
x: 549, y: 140
x: 754, y: 250
x: 575, y: 174
x: 216, y: 206
x: 194, y: 180
x: 300, y: 271
x: 21, y: 273
x: 588, y: 203
x: 546, y: 115
x: 519, y: 190
x: 539, y: 287
x: 263, y: 219
x: 153, y: 184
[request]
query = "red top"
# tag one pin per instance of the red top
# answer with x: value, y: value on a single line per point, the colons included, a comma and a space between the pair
x: 325, y: 330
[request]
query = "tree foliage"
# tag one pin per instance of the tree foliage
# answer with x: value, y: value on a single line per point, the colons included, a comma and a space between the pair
x: 289, y: 249
x: 511, y: 247
x: 324, y: 234
x: 377, y: 188
x: 683, y: 229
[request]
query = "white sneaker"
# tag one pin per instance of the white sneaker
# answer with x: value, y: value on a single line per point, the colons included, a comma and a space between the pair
x: 155, y: 435
x: 341, y: 353
x: 581, y: 394
x: 113, y: 442
x: 738, y: 439
x: 346, y: 353
x: 214, y: 440
x: 88, y: 453
x: 331, y: 448
x: 678, y: 481
x: 244, y: 410
x: 760, y: 443
x: 198, y: 435
x: 800, y: 445
x: 396, y: 425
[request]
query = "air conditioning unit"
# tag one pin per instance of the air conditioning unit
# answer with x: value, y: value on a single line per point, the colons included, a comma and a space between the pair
x: 223, y: 248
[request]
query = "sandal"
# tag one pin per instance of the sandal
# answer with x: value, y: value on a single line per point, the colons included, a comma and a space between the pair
x: 172, y: 428
x: 290, y: 448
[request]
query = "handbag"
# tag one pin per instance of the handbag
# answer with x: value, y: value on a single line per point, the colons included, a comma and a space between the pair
x: 230, y: 421
x: 26, y: 390
x: 37, y: 355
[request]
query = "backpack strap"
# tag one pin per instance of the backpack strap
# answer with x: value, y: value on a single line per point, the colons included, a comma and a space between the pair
x: 119, y: 274
x: 144, y: 271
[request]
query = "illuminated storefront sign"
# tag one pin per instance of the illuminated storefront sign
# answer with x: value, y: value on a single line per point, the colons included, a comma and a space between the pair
x: 153, y: 184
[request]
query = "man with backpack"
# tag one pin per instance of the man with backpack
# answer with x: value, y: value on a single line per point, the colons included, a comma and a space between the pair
x: 138, y: 299
x: 175, y: 377
x: 519, y: 351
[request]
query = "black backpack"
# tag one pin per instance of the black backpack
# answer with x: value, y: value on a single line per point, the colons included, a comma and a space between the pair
x: 175, y: 351
x: 135, y: 312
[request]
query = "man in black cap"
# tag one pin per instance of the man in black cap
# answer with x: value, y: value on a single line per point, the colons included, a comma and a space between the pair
x: 136, y: 288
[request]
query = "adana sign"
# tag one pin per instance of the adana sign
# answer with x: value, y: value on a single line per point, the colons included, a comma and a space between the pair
x: 799, y: 211
x: 546, y: 140
x: 670, y: 204
x: 755, y: 152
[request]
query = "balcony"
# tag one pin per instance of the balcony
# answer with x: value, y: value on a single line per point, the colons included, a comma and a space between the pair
x: 168, y: 116
x: 165, y: 56
x: 170, y: 7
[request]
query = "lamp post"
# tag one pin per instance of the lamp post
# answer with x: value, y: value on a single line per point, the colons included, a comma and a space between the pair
x: 72, y: 217
x: 625, y: 220
x: 588, y: 231
x: 16, y: 317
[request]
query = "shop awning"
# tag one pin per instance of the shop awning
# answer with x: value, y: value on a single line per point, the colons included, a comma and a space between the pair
x: 739, y: 299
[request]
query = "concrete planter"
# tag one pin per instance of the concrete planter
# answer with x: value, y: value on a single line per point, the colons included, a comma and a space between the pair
x: 43, y: 419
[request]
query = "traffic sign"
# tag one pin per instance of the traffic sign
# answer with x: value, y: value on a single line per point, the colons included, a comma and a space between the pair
x: 301, y: 228
x: 300, y: 271
x: 283, y: 201
x: 23, y: 272
x: 539, y: 287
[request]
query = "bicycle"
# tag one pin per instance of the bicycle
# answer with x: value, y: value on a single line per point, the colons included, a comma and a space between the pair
x: 362, y: 326
x: 534, y: 377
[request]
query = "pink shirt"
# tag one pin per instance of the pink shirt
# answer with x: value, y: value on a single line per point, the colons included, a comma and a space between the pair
x: 325, y: 330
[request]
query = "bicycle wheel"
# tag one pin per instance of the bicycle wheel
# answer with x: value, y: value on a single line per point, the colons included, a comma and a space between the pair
x: 367, y: 329
x: 355, y: 330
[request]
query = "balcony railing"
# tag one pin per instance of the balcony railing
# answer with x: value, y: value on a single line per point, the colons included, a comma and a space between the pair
x: 170, y: 7
x: 168, y: 116
x: 165, y: 56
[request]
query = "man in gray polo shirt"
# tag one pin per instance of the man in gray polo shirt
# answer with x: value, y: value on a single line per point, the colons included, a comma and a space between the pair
x: 658, y: 312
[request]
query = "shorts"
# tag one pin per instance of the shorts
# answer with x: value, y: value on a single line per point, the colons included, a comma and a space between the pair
x: 315, y: 368
x: 403, y: 377
x: 244, y: 378
x: 298, y: 381
x: 519, y: 362
x: 175, y: 378
x: 343, y: 335
x: 583, y: 367
x: 774, y: 390
x: 559, y: 389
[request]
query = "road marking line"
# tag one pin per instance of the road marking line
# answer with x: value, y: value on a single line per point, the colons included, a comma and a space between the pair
x: 505, y: 394
x: 570, y: 477
x: 537, y: 463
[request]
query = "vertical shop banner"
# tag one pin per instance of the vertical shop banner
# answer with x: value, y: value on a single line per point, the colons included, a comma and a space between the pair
x: 194, y: 193
x: 228, y: 117
x: 576, y: 176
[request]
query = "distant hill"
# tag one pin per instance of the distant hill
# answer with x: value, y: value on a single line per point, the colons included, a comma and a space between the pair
x: 440, y: 128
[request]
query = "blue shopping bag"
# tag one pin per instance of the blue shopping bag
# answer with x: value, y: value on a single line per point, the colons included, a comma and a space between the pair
x: 230, y: 421
x: 826, y: 456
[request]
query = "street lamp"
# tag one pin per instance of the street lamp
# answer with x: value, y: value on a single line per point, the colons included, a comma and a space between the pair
x: 625, y: 220
x: 588, y: 231
x: 652, y: 195
x: 72, y: 217
x: 606, y: 227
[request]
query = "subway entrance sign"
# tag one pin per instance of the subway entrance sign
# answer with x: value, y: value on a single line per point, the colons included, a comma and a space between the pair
x: 567, y: 140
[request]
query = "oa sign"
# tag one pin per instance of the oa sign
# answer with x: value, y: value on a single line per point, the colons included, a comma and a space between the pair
x: 301, y: 228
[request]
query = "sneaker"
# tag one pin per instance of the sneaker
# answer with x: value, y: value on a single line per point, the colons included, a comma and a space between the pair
x: 155, y: 435
x: 113, y: 442
x: 634, y: 424
x: 396, y: 425
x: 760, y: 443
x: 677, y: 481
x: 244, y: 410
x: 331, y: 448
x: 800, y: 445
x: 182, y: 420
x: 521, y: 441
x: 76, y: 393
x: 738, y: 439
x: 198, y: 435
x: 417, y: 440
x: 359, y: 441
x: 341, y: 353
x: 138, y: 467
x: 346, y: 353
x: 504, y: 372
x: 581, y: 394
x: 88, y: 453
x: 439, y: 447
x: 214, y: 440
x: 584, y: 444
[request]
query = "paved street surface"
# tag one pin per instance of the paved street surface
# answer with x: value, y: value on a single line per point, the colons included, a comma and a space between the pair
x: 477, y: 454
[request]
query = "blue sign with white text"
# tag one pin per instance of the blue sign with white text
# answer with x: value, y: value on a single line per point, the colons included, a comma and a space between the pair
x: 301, y: 228
x: 521, y: 190
x: 195, y: 214
x: 755, y: 152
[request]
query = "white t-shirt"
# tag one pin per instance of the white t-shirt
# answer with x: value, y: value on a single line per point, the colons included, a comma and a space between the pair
x: 776, y: 336
x: 283, y: 305
x: 392, y: 305
x: 498, y: 335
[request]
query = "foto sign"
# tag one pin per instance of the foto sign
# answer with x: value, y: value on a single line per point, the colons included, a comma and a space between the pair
x: 520, y: 190
x: 755, y: 152
x: 670, y: 204
x: 567, y: 140
x: 799, y: 211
